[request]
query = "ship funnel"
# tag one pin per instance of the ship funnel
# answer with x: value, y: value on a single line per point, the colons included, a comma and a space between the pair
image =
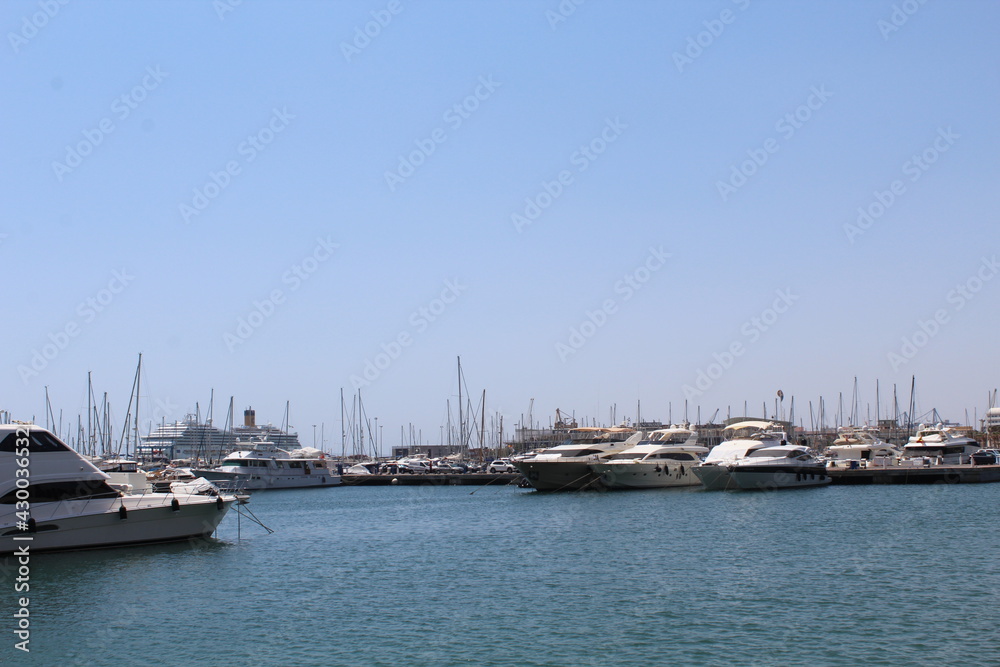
x: 249, y: 417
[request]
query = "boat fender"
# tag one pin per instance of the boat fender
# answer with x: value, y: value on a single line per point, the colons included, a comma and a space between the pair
x: 175, y: 506
x: 682, y: 470
x: 122, y: 512
x: 31, y: 524
x: 218, y: 502
x: 658, y: 469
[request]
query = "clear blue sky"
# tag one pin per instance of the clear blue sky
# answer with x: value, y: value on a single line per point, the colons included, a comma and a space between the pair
x: 690, y: 164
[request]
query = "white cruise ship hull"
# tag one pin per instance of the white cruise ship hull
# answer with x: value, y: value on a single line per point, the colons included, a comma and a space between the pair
x: 644, y: 475
x: 85, y: 524
x: 767, y: 477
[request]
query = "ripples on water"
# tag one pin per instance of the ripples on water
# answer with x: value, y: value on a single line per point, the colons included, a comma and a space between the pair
x: 460, y: 575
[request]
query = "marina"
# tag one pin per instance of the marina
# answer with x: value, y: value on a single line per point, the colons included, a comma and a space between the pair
x: 547, y: 333
x: 431, y: 575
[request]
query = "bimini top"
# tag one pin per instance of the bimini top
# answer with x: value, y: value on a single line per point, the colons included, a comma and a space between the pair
x: 752, y: 423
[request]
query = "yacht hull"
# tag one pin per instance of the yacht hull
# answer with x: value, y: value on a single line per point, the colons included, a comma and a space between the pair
x: 715, y: 477
x: 87, y: 524
x: 558, y: 475
x: 767, y: 477
x: 644, y: 475
x: 256, y: 482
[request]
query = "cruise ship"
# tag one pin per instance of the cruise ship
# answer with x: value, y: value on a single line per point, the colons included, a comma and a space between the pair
x: 191, y: 440
x: 187, y: 439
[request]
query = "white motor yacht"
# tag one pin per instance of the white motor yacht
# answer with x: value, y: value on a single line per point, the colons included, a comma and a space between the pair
x: 566, y: 467
x: 940, y: 443
x: 854, y: 445
x: 666, y: 459
x: 780, y: 467
x: 64, y: 502
x: 262, y: 465
x: 740, y: 439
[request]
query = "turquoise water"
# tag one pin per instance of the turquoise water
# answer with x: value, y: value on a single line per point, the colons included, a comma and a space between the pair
x: 485, y: 575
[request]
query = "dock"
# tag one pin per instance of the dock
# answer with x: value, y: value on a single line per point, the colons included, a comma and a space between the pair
x: 958, y: 474
x: 432, y: 479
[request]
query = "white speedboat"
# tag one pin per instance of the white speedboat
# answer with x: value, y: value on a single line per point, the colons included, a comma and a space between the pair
x: 666, y: 459
x: 65, y: 502
x: 940, y: 444
x: 566, y: 467
x: 741, y: 439
x: 780, y: 467
x: 854, y: 445
x: 262, y: 465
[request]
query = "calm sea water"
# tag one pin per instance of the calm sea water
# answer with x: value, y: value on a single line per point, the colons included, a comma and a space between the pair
x: 486, y: 575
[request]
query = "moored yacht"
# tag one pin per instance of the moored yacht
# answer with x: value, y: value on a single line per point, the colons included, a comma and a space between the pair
x: 780, y: 467
x: 65, y: 502
x: 566, y: 467
x: 860, y: 444
x: 664, y: 460
x: 940, y: 443
x: 741, y: 439
x: 262, y: 465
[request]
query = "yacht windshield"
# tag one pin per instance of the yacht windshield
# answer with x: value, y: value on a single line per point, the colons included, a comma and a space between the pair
x: 38, y: 441
x: 56, y: 491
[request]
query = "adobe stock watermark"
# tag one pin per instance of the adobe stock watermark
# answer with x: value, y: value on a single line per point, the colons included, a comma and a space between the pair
x: 626, y: 287
x: 914, y: 168
x: 901, y: 13
x: 249, y: 149
x: 696, y: 44
x: 419, y: 321
x: 565, y: 9
x: 751, y: 331
x: 581, y: 158
x: 87, y: 311
x: 25, y: 525
x: 959, y: 296
x: 786, y: 126
x: 121, y: 108
x: 31, y: 25
x: 381, y: 18
x: 453, y: 117
x: 264, y: 309
x: 223, y: 7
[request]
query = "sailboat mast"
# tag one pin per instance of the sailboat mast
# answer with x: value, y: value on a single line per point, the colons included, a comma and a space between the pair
x: 138, y: 379
x: 461, y: 423
x: 90, y: 390
x: 482, y: 426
